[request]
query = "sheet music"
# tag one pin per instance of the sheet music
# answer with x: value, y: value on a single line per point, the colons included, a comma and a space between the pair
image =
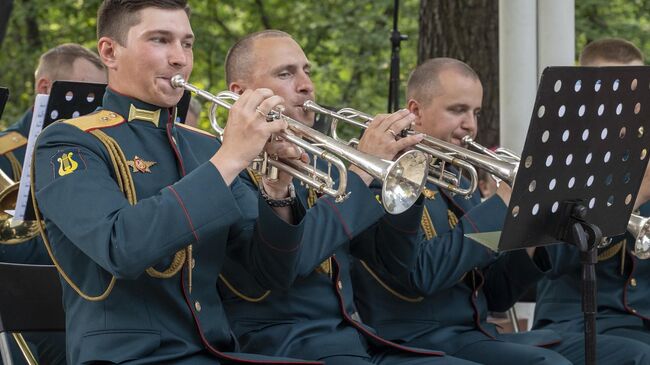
x: 38, y: 117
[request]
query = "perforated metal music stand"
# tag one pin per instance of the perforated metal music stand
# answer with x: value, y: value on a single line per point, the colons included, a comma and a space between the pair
x: 4, y: 96
x: 582, y: 165
x: 67, y: 100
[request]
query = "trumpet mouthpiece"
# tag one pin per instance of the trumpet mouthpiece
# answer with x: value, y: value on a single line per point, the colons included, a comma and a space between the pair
x: 177, y: 81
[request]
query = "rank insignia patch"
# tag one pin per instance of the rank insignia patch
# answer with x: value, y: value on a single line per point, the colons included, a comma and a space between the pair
x: 140, y: 165
x: 67, y: 164
x: 429, y: 194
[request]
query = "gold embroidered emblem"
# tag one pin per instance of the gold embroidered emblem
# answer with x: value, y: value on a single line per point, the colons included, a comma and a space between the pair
x: 429, y: 194
x: 140, y: 165
x: 66, y: 164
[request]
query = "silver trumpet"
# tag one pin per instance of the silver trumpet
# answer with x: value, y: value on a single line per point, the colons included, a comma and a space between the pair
x: 639, y: 227
x: 402, y: 180
x: 504, y: 163
x: 441, y: 153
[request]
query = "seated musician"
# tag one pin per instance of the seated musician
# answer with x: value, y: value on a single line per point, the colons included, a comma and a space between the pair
x: 621, y: 277
x: 315, y: 318
x: 67, y: 61
x: 139, y: 212
x: 71, y: 62
x: 442, y: 301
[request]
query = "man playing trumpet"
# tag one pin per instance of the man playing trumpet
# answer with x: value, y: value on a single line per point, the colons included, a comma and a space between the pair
x: 623, y: 288
x: 315, y: 318
x: 441, y: 301
x: 140, y: 211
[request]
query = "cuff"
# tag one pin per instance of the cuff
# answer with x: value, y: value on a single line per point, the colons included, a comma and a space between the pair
x: 274, y: 232
x: 488, y: 216
x: 407, y: 222
x: 215, y: 202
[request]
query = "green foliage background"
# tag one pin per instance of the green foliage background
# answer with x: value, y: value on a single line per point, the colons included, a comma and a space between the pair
x: 347, y: 41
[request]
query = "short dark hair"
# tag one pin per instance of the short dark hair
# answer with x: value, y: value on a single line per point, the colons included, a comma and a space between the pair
x: 116, y: 17
x: 423, y: 81
x: 239, y: 60
x: 610, y: 49
x: 57, y: 62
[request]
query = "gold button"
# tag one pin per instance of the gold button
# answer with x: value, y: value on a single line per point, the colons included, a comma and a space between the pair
x: 340, y: 284
x: 633, y: 282
x: 112, y: 115
x: 104, y: 118
x: 14, y: 139
x: 197, y: 305
x: 193, y: 263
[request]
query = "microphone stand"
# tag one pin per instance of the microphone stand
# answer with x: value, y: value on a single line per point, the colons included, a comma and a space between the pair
x: 396, y: 39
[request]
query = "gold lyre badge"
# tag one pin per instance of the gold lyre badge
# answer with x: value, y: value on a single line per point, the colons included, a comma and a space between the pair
x: 140, y: 165
x: 66, y: 164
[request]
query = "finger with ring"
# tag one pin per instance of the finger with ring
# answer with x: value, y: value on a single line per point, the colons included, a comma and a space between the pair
x: 260, y: 112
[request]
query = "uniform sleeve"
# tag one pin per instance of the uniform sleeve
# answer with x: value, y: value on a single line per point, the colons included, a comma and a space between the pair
x: 85, y: 204
x: 444, y: 259
x: 391, y: 244
x: 514, y: 272
x: 272, y: 255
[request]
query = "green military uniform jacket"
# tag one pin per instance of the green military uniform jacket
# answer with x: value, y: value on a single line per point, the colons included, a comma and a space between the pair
x: 441, y: 302
x: 151, y: 315
x: 316, y: 316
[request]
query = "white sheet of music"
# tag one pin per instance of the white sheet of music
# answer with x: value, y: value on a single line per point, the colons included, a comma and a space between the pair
x: 38, y: 117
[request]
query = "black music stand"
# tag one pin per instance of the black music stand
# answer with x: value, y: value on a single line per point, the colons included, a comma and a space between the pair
x: 30, y: 301
x: 4, y: 96
x: 584, y: 158
x: 68, y: 99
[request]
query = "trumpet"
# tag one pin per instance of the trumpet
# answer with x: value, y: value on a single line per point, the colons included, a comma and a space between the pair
x: 639, y: 227
x: 442, y: 153
x: 13, y: 232
x: 402, y: 179
x: 506, y: 169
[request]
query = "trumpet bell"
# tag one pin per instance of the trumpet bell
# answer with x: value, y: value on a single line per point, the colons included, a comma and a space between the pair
x: 405, y: 179
x: 639, y: 227
x: 11, y: 232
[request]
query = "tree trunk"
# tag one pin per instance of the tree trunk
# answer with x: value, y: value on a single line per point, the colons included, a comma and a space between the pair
x: 5, y: 13
x: 469, y: 31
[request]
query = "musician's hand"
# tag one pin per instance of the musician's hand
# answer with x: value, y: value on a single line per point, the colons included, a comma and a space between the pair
x: 382, y: 137
x: 504, y: 191
x: 279, y: 149
x: 246, y: 132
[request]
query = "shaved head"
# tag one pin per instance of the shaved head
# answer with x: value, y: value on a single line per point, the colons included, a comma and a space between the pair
x: 423, y: 84
x: 240, y: 58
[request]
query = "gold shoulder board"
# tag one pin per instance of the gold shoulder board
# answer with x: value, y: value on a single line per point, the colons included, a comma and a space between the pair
x: 101, y: 119
x: 197, y: 130
x: 11, y: 141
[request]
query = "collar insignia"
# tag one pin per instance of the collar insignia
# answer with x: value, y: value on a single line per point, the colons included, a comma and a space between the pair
x: 140, y: 165
x: 429, y: 194
x: 146, y: 115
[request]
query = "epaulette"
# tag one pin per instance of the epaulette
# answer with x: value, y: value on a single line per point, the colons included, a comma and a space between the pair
x: 193, y: 129
x: 99, y: 120
x: 11, y: 141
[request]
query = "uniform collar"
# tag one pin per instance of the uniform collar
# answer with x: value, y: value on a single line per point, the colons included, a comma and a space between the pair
x: 134, y: 110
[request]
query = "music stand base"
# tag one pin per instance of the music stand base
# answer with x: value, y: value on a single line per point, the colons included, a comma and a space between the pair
x: 585, y: 236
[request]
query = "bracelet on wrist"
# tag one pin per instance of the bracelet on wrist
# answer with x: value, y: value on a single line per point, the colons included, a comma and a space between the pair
x: 278, y: 203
